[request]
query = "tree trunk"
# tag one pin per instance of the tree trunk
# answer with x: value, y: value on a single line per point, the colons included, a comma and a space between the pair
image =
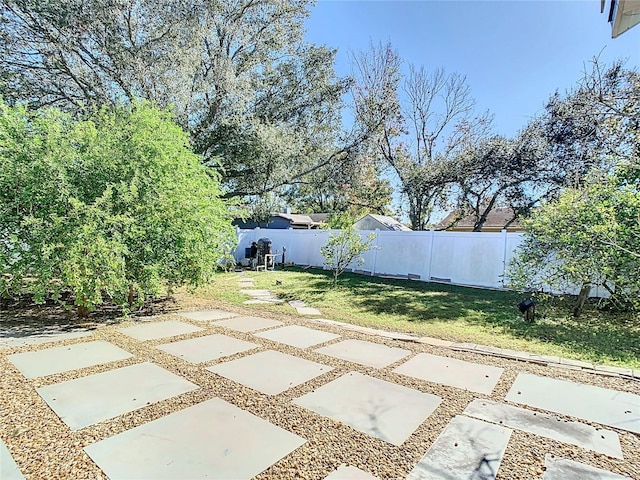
x: 131, y: 292
x: 582, y: 298
x: 83, y: 312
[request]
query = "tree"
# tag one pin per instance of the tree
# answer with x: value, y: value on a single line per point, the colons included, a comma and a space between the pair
x: 432, y: 120
x: 106, y: 208
x: 343, y: 249
x: 589, y: 237
x: 262, y: 106
x: 596, y: 124
x: 517, y: 173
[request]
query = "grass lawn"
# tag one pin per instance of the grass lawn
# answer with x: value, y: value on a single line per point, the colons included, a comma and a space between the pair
x: 449, y: 312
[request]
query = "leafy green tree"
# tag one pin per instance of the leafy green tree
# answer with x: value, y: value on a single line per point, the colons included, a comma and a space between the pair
x: 517, y: 173
x: 589, y: 237
x: 115, y: 207
x: 262, y: 106
x: 345, y: 248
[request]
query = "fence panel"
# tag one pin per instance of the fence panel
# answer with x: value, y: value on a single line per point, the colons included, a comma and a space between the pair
x: 463, y: 258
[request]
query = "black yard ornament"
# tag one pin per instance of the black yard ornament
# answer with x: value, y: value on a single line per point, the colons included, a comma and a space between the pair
x: 528, y: 307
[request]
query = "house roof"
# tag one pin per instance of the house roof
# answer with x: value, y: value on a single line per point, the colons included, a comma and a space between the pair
x: 297, y: 218
x: 497, y: 218
x: 389, y: 222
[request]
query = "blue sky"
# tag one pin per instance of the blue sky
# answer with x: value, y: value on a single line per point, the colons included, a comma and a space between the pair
x: 515, y: 54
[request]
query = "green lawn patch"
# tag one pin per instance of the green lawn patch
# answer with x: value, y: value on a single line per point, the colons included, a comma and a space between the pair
x: 449, y: 312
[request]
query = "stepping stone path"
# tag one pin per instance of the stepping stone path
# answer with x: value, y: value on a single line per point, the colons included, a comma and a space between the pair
x: 365, y: 353
x: 574, y: 433
x: 205, y: 349
x: 452, y: 372
x: 376, y: 407
x: 467, y: 449
x: 270, y: 372
x: 266, y: 297
x: 608, y: 407
x: 248, y: 324
x: 213, y: 439
x: 63, y: 359
x: 88, y: 400
x: 298, y: 336
x: 8, y: 468
x: 153, y: 331
x: 281, y: 373
x: 564, y: 469
x: 349, y: 473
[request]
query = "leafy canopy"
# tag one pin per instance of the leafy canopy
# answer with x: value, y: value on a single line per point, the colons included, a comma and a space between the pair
x: 105, y: 207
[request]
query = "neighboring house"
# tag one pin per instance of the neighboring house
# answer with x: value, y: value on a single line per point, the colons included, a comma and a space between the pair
x: 496, y: 221
x: 285, y: 221
x: 622, y: 14
x: 380, y: 222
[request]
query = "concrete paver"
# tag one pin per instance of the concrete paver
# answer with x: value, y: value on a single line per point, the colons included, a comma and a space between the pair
x: 564, y: 469
x: 269, y: 371
x: 208, y: 315
x: 608, y: 407
x: 298, y: 336
x: 468, y: 449
x: 88, y: 400
x: 205, y: 349
x: 248, y: 324
x: 212, y: 440
x: 23, y: 341
x: 449, y: 371
x: 376, y: 407
x: 8, y: 468
x: 156, y: 330
x: 67, y: 358
x: 365, y: 353
x: 344, y: 472
x: 574, y: 433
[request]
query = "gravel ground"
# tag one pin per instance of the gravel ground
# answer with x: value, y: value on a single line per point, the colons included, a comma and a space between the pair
x: 44, y: 448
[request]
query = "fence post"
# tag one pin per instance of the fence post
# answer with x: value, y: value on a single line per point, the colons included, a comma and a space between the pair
x: 375, y: 252
x: 432, y: 235
x: 504, y: 255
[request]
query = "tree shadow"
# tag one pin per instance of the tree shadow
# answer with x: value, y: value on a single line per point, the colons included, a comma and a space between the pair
x: 596, y: 334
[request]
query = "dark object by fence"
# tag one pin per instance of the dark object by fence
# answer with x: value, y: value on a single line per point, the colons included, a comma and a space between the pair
x: 528, y: 307
x: 264, y: 249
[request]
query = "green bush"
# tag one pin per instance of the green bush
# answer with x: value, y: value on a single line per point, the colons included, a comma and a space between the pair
x: 113, y: 207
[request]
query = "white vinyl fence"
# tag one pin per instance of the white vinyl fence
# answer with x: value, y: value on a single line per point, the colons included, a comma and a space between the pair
x: 474, y: 259
x: 462, y: 258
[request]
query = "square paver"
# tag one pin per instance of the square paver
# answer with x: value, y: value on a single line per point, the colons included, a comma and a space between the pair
x: 365, y: 353
x: 596, y: 404
x: 565, y: 469
x: 344, y: 472
x: 270, y: 372
x: 208, y: 315
x: 574, y: 433
x: 8, y: 468
x: 475, y: 377
x: 88, y: 400
x: 467, y: 449
x: 205, y: 349
x: 21, y: 341
x: 298, y: 336
x: 382, y: 409
x: 212, y: 440
x: 248, y: 324
x: 153, y: 331
x: 67, y: 358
